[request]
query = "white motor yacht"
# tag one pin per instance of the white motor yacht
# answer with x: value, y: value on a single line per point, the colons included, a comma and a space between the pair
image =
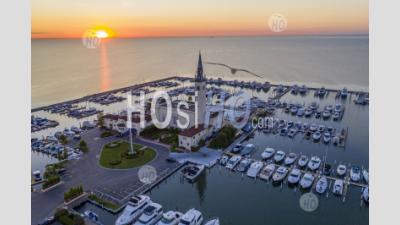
x: 316, y: 136
x: 355, y: 174
x: 223, y: 160
x: 267, y: 153
x: 294, y: 176
x: 279, y: 156
x: 338, y: 187
x: 365, y: 175
x: 233, y: 161
x: 267, y: 172
x: 151, y: 214
x: 133, y: 209
x: 170, y: 218
x: 243, y: 165
x: 191, y: 217
x: 254, y: 169
x: 322, y: 185
x: 314, y: 163
x: 280, y: 174
x: 306, y: 181
x: 341, y: 170
x: 212, y: 222
x: 303, y: 160
x: 289, y: 160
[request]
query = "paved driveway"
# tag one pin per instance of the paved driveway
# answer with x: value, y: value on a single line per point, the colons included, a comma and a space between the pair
x: 115, y: 185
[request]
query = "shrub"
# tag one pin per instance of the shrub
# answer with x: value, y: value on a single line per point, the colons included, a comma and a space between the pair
x: 83, y: 146
x: 60, y: 212
x: 107, y: 133
x: 73, y: 193
x: 50, y: 181
x: 115, y: 162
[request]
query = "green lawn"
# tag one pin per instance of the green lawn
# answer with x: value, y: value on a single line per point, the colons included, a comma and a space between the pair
x: 115, y: 157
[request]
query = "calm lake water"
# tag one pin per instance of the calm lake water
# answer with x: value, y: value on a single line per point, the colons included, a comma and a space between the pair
x: 64, y: 69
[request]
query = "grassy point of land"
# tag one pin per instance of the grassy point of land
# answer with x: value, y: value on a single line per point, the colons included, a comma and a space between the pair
x: 115, y: 155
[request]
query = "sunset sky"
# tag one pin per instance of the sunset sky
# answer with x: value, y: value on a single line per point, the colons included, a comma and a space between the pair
x: 160, y: 18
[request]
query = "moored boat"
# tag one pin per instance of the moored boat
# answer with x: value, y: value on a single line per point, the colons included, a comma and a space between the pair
x: 254, y: 169
x: 267, y: 172
x: 280, y: 174
x: 338, y: 187
x: 191, y: 172
x: 294, y: 176
x: 306, y: 181
x: 322, y: 185
x: 267, y: 153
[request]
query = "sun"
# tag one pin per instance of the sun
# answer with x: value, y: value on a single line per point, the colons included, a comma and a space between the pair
x: 101, y: 34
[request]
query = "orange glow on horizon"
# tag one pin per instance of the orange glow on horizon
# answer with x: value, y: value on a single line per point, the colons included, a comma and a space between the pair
x: 177, y: 18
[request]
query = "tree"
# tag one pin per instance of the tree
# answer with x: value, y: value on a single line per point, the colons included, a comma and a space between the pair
x: 63, y: 139
x: 100, y: 119
x: 83, y: 146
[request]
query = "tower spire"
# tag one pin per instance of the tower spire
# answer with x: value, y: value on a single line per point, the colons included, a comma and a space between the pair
x: 199, y: 72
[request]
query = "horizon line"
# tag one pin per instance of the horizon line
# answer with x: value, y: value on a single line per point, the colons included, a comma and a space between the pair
x: 219, y: 36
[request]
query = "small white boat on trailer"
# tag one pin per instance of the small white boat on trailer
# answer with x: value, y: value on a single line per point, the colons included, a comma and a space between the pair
x: 322, y: 185
x: 267, y: 172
